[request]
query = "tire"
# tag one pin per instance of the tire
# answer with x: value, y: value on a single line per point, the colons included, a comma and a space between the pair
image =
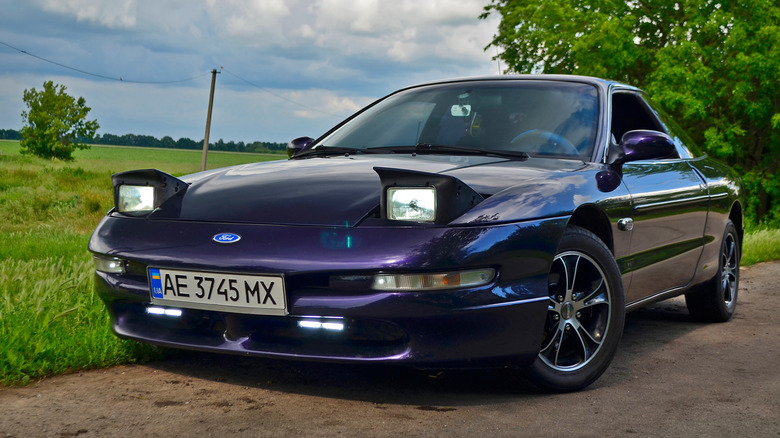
x: 716, y: 300
x: 585, y: 316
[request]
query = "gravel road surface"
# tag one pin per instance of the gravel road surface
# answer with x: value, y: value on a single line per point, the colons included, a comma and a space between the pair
x: 671, y: 377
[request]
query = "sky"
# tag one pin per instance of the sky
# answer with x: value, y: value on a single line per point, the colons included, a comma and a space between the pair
x: 288, y: 68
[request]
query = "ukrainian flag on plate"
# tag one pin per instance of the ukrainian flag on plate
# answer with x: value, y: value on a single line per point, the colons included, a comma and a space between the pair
x: 156, y: 282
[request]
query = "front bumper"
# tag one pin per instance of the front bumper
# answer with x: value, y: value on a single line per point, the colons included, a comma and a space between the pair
x: 497, y: 324
x: 432, y: 334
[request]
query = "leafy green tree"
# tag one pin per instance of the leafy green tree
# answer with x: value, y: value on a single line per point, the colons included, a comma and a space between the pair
x: 55, y: 123
x: 167, y: 142
x: 712, y: 64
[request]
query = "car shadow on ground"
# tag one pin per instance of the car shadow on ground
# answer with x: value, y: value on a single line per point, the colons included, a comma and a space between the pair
x: 646, y: 330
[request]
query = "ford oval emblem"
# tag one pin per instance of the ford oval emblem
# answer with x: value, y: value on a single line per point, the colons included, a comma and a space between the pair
x: 227, y: 238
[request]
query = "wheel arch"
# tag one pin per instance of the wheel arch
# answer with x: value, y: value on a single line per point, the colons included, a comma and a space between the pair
x: 565, y: 362
x: 737, y: 219
x: 596, y: 221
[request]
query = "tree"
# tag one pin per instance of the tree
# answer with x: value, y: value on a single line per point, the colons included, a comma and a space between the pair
x: 167, y: 142
x: 55, y: 123
x: 714, y: 65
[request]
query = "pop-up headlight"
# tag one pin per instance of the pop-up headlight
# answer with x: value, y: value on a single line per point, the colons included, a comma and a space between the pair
x: 140, y: 192
x: 409, y: 195
x: 411, y: 204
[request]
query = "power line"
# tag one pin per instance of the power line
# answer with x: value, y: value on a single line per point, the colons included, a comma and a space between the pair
x: 119, y: 79
x: 280, y: 96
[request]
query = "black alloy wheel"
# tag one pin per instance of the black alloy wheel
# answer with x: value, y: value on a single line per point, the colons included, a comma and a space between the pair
x: 716, y: 300
x: 585, y: 315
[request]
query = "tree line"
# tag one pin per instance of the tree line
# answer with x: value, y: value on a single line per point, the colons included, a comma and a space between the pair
x: 167, y: 142
x: 10, y: 134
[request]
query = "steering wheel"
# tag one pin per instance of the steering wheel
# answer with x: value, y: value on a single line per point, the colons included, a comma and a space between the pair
x: 540, y: 139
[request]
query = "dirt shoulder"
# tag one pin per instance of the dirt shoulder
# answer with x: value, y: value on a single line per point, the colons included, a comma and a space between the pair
x: 671, y: 377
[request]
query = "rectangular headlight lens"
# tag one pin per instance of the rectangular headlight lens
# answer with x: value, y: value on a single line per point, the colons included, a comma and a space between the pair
x: 445, y: 280
x: 411, y: 204
x: 135, y: 199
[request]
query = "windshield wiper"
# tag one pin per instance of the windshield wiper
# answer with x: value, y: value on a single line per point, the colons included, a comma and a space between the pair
x: 330, y: 150
x: 423, y: 148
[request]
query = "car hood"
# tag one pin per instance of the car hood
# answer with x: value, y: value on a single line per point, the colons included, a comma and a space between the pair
x: 340, y: 190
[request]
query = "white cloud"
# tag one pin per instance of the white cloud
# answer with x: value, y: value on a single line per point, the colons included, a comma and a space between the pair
x: 338, y: 104
x: 108, y: 13
x: 404, y: 50
x: 405, y: 31
x: 280, y: 116
x: 466, y: 41
x: 259, y: 21
x: 378, y: 17
x: 352, y: 16
x: 324, y: 104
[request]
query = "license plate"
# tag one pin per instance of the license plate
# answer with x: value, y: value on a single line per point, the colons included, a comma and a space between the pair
x: 255, y: 294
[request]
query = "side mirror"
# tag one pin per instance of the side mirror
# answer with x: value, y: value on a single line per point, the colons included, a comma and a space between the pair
x: 298, y: 144
x: 643, y: 144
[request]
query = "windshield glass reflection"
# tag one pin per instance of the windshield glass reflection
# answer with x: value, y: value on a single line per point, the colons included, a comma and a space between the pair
x: 537, y: 117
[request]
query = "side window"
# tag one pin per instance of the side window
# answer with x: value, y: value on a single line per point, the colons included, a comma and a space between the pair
x: 630, y: 112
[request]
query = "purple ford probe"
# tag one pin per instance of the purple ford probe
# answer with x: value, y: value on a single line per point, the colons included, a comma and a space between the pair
x: 506, y: 221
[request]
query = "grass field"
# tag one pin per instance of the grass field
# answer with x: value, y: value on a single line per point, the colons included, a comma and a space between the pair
x: 760, y: 246
x: 51, y: 322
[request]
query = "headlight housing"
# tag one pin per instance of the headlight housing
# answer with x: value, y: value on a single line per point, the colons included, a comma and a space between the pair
x: 409, y: 195
x: 141, y: 192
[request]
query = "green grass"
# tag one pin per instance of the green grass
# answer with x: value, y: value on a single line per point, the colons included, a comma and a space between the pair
x: 761, y: 246
x: 73, y: 196
x: 113, y: 159
x: 51, y: 322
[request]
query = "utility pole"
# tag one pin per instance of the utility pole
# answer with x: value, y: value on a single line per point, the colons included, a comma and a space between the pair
x: 208, y: 120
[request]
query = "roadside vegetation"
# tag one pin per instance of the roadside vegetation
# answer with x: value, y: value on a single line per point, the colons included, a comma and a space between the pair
x: 760, y: 246
x: 51, y: 322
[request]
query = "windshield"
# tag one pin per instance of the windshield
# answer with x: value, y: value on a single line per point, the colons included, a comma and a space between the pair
x: 537, y: 117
